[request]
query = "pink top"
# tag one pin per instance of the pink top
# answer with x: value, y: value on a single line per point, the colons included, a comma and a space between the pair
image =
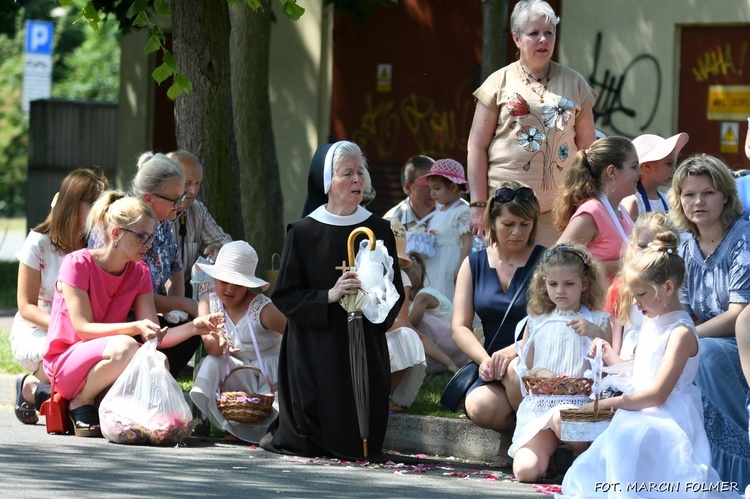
x: 608, y: 245
x: 79, y: 270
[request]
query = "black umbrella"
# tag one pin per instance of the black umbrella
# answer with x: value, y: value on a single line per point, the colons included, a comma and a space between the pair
x: 357, y: 349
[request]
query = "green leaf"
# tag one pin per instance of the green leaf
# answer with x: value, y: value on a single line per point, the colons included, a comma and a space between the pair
x: 162, y: 73
x: 292, y: 10
x: 65, y: 3
x: 253, y: 4
x: 152, y: 46
x: 92, y: 15
x: 169, y: 61
x: 136, y: 7
x: 161, y: 8
x: 182, y: 80
x: 141, y: 20
x: 174, y: 91
x: 158, y: 33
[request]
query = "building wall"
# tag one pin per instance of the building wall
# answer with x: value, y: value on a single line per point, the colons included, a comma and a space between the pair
x: 625, y: 49
x: 300, y: 92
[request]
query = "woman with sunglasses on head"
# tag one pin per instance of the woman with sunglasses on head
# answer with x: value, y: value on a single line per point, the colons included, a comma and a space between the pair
x: 493, y: 283
x: 160, y: 183
x: 43, y: 250
x: 588, y: 209
x: 90, y: 339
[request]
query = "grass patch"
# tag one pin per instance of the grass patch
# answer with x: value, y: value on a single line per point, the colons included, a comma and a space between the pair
x: 8, y: 284
x: 427, y: 402
x: 12, y: 225
x: 8, y: 363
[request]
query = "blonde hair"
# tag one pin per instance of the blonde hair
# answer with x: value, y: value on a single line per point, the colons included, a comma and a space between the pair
x: 115, y: 209
x: 723, y: 181
x: 528, y: 210
x: 658, y: 222
x: 659, y: 262
x: 566, y: 255
x: 584, y: 179
x: 61, y: 224
x: 417, y: 272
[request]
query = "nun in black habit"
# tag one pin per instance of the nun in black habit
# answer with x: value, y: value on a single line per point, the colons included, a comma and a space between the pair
x: 317, y: 411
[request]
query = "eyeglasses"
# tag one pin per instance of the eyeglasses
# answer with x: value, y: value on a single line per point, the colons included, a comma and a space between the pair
x: 142, y: 236
x: 174, y: 202
x: 506, y: 194
x: 564, y: 248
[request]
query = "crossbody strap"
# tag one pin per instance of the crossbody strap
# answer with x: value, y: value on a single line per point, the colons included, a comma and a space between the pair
x: 532, y: 261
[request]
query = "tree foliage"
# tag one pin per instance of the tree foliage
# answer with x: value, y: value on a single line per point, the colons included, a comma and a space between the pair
x: 86, y: 66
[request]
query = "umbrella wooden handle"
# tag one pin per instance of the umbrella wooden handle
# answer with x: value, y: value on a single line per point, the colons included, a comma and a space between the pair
x: 353, y: 235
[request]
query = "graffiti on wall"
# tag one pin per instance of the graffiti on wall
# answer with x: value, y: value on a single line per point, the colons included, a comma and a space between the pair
x: 720, y: 61
x: 418, y: 120
x: 627, y: 100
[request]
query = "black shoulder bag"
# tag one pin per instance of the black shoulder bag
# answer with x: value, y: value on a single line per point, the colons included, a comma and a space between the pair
x: 455, y: 390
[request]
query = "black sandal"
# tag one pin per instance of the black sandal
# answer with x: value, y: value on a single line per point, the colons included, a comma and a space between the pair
x: 25, y: 411
x: 85, y: 421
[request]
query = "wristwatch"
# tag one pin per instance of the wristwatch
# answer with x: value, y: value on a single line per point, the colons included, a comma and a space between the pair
x: 483, y: 204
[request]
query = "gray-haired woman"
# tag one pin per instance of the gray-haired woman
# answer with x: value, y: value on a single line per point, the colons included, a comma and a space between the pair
x: 160, y: 183
x: 532, y: 116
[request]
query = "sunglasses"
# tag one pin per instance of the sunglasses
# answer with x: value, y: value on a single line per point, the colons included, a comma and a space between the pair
x: 174, y: 202
x: 142, y: 236
x: 506, y: 194
x: 564, y: 248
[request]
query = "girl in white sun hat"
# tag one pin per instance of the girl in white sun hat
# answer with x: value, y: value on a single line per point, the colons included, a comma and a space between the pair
x: 449, y: 223
x: 658, y: 159
x: 253, y: 330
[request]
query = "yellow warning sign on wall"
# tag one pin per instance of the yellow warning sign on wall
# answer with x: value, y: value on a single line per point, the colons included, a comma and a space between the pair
x: 728, y: 102
x: 384, y: 77
x: 730, y: 142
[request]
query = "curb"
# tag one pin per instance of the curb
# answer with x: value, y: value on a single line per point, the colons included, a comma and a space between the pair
x: 406, y: 434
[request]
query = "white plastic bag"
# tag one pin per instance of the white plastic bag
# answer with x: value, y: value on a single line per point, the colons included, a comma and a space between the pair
x: 375, y: 271
x: 145, y: 405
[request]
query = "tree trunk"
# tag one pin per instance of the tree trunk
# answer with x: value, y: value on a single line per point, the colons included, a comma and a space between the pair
x: 203, y: 117
x: 495, y: 26
x: 262, y: 201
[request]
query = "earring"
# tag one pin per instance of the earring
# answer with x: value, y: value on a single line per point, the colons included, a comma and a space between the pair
x: 117, y: 245
x: 518, y: 54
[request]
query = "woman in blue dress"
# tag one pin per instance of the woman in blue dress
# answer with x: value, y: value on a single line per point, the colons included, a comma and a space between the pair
x: 717, y: 288
x: 486, y: 284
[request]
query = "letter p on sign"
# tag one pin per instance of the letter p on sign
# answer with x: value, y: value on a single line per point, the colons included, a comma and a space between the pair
x: 39, y: 37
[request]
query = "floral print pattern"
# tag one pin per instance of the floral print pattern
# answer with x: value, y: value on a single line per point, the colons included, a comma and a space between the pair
x: 542, y: 134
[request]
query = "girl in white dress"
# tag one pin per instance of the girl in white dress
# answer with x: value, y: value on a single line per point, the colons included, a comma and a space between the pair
x: 657, y: 434
x: 430, y: 311
x: 407, y: 355
x: 62, y: 232
x: 449, y: 223
x: 252, y: 337
x: 627, y: 319
x: 565, y: 298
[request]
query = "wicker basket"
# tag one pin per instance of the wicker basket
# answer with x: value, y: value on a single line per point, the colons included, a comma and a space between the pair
x: 557, y: 386
x: 244, y: 407
x: 584, y: 426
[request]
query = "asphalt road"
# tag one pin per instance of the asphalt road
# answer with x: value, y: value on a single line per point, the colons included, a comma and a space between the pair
x: 34, y: 464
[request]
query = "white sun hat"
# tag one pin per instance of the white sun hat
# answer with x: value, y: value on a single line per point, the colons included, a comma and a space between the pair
x: 651, y: 147
x: 235, y: 264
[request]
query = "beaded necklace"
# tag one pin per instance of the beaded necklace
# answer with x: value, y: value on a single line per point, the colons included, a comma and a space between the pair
x: 541, y: 89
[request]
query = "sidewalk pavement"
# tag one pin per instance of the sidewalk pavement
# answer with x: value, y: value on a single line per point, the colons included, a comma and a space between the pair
x: 407, y: 434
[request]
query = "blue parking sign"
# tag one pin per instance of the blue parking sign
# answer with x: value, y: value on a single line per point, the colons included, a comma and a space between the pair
x: 39, y: 37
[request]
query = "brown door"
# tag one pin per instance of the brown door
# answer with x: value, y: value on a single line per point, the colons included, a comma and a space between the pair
x: 714, y: 91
